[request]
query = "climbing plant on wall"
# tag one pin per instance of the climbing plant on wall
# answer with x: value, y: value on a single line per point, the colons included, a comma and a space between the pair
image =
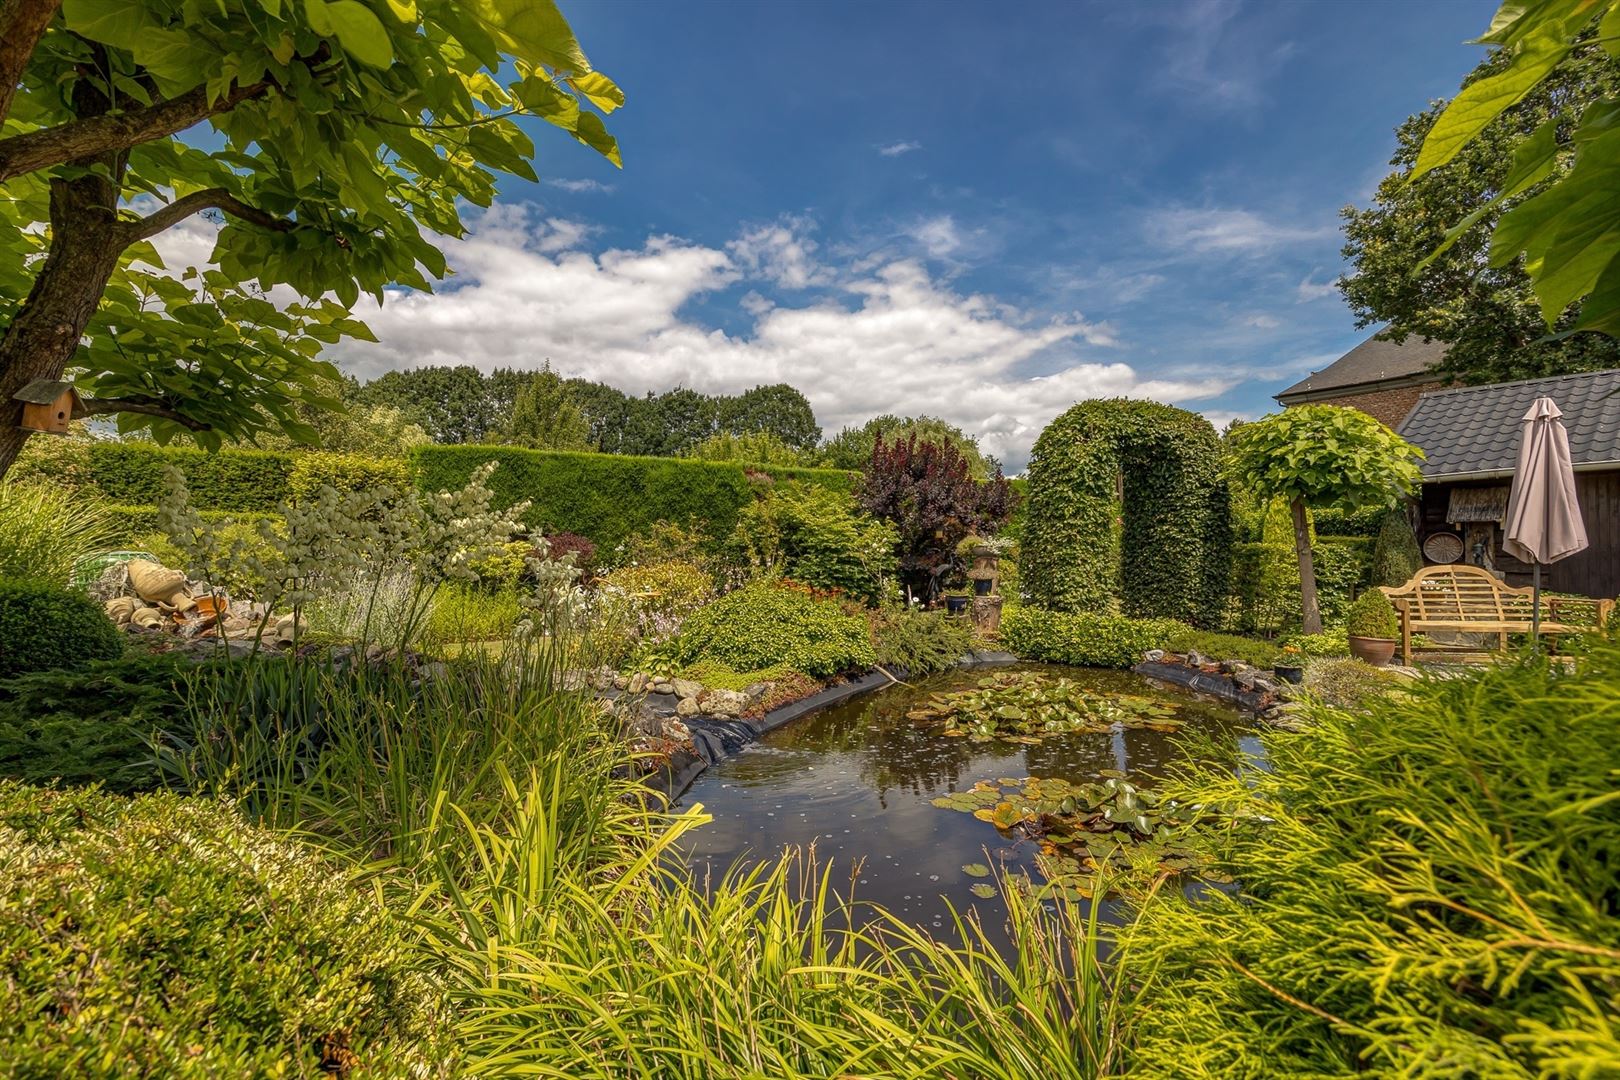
x: 1127, y: 510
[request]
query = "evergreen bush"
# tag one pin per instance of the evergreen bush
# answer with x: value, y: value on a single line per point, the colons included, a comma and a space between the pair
x: 817, y: 536
x: 919, y: 642
x: 94, y: 726
x: 766, y: 624
x: 1261, y: 654
x: 1396, y: 555
x: 163, y: 936
x: 1164, y: 550
x: 1372, y: 616
x: 44, y: 627
x: 1083, y: 638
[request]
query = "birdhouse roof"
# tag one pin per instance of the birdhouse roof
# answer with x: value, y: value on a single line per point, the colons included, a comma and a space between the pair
x: 44, y: 391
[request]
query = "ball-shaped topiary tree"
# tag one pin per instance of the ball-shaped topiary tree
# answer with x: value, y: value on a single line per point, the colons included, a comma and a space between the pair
x: 1127, y: 509
x: 1323, y: 455
x: 44, y: 626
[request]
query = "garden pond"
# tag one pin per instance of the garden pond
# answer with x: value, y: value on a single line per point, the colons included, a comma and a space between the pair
x: 920, y: 793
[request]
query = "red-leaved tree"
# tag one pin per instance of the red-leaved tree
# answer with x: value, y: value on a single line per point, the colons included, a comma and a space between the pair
x: 926, y: 491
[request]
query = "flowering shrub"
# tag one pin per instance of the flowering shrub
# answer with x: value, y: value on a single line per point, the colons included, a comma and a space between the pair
x: 648, y: 603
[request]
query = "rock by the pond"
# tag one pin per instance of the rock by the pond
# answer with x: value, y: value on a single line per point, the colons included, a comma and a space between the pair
x: 1265, y: 685
x: 621, y: 682
x: 686, y: 688
x: 723, y: 702
x: 1232, y: 667
x: 687, y: 706
x: 1153, y: 656
x: 1196, y: 658
x: 755, y: 691
x: 663, y: 686
x: 1245, y: 679
x: 638, y: 683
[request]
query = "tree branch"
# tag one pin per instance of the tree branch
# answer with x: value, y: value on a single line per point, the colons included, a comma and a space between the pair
x: 22, y: 24
x: 198, y: 201
x: 147, y: 406
x: 112, y: 132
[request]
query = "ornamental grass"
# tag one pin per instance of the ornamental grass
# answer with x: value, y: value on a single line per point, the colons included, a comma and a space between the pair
x: 1429, y: 887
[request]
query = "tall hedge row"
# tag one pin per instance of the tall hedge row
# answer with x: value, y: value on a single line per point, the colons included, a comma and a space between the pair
x: 608, y: 497
x: 604, y: 497
x: 131, y: 474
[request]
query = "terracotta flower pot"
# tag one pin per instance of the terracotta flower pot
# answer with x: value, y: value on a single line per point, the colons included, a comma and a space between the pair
x: 1376, y: 651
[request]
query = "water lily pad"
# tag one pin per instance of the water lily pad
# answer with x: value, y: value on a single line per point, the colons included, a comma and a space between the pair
x: 976, y: 869
x: 983, y: 891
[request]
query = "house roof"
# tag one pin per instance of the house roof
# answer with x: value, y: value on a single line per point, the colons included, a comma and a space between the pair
x: 1373, y: 361
x: 1474, y: 431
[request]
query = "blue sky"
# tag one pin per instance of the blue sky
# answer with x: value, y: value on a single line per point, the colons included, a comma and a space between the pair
x: 978, y: 210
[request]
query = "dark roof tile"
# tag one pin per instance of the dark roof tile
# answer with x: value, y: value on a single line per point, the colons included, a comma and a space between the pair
x: 1472, y: 430
x: 1372, y: 361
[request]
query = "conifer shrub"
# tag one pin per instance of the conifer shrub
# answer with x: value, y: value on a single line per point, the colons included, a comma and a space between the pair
x: 1372, y: 616
x: 1425, y: 887
x: 165, y: 936
x: 767, y: 624
x: 95, y: 726
x: 1396, y: 555
x: 919, y: 642
x: 44, y: 626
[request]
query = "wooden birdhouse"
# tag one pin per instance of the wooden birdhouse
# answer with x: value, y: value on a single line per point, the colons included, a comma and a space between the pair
x: 48, y: 406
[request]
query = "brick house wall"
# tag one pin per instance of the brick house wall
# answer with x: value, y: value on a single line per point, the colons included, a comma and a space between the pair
x: 1389, y: 406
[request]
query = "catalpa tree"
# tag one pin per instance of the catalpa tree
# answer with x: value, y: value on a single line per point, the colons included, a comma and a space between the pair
x: 332, y: 139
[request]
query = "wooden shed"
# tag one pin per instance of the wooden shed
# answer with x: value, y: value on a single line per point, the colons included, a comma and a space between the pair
x: 1471, y: 435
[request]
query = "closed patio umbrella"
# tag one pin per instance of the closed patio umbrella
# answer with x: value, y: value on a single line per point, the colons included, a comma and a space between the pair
x: 1543, y: 520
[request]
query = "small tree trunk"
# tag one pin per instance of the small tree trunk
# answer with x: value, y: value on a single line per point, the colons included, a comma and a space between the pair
x: 86, y: 242
x: 1312, y: 623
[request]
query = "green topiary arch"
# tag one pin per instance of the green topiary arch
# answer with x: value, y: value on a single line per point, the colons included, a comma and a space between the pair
x: 1128, y: 511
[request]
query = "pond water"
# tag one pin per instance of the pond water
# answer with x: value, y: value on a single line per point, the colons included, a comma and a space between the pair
x: 858, y: 781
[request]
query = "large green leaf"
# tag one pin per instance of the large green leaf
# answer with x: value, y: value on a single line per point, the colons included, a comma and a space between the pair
x: 1481, y: 102
x: 533, y: 29
x: 1533, y: 161
x: 360, y: 32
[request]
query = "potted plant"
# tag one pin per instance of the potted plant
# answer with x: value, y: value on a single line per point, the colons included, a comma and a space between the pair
x: 956, y: 604
x: 1372, y: 626
x: 1289, y: 669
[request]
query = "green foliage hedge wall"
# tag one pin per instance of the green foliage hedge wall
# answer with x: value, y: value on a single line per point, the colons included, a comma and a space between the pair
x: 132, y: 474
x: 1165, y: 552
x: 1084, y: 638
x: 608, y: 497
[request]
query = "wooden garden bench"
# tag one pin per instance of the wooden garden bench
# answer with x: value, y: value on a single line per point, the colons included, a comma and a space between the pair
x: 1467, y: 598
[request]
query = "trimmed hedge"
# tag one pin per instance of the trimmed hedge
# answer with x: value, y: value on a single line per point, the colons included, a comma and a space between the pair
x: 44, y: 627
x: 166, y: 936
x: 129, y: 523
x: 346, y: 472
x: 1164, y: 553
x: 608, y: 497
x: 1083, y: 638
x: 132, y: 474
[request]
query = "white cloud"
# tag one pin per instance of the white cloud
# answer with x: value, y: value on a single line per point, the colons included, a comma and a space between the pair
x: 938, y: 236
x: 895, y: 149
x: 1262, y: 322
x: 783, y: 253
x: 1216, y: 231
x: 889, y: 338
x: 578, y: 186
x: 1308, y: 290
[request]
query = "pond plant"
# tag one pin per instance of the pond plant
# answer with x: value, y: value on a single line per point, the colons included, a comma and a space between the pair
x: 1027, y: 706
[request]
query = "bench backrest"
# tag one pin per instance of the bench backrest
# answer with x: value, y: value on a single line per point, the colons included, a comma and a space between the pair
x: 1462, y: 593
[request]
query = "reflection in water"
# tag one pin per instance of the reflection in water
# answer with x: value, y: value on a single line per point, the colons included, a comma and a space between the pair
x: 857, y: 780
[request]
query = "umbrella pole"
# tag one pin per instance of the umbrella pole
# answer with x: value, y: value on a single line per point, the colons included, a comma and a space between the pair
x: 1535, y: 609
